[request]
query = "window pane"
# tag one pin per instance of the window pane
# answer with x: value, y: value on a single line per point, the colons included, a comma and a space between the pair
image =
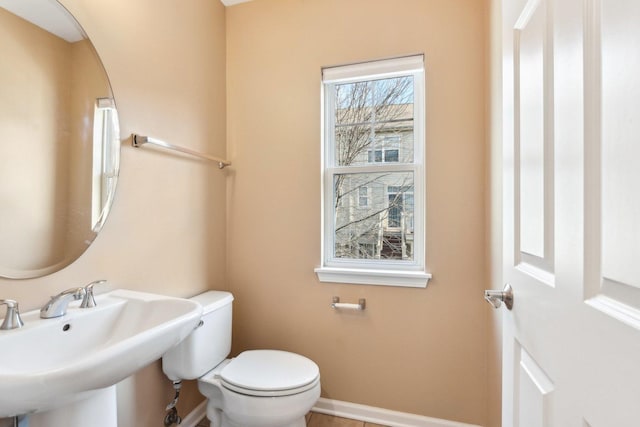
x: 373, y: 115
x: 383, y: 227
x: 378, y: 156
x: 391, y: 155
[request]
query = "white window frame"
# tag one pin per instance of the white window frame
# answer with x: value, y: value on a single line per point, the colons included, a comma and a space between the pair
x: 374, y: 272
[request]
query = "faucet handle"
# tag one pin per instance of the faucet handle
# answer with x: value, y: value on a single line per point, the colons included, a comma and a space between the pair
x: 12, y: 319
x: 88, y: 301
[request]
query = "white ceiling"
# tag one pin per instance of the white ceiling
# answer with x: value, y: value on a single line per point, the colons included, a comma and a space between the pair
x: 47, y: 15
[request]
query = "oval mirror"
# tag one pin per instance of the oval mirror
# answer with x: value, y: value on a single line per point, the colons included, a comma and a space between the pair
x: 59, y: 139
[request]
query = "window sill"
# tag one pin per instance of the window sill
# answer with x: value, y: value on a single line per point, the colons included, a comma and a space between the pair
x: 409, y: 279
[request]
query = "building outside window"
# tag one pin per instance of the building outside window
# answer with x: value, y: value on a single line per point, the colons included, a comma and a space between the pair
x: 373, y: 173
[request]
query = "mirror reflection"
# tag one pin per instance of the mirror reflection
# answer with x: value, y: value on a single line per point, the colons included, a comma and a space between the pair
x: 59, y: 139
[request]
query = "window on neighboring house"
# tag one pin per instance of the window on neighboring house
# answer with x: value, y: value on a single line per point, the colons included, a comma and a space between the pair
x: 363, y: 196
x: 373, y: 173
x: 383, y: 155
x: 395, y: 207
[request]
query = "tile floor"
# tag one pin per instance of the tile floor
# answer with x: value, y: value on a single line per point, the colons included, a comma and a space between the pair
x: 321, y: 420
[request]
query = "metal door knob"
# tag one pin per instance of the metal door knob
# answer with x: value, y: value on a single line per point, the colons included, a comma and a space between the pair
x: 496, y: 298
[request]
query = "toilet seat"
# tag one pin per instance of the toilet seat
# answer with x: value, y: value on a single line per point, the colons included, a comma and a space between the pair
x: 269, y: 373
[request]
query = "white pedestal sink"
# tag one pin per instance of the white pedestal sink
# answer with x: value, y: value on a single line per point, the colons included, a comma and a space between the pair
x: 63, y: 370
x: 99, y: 409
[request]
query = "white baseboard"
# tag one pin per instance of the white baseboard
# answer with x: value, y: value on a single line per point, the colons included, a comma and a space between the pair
x: 385, y: 417
x: 353, y: 411
x: 194, y: 417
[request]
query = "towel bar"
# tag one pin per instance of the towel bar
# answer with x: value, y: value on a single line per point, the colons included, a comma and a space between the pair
x: 139, y: 141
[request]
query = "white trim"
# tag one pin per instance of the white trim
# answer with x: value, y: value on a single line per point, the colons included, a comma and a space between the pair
x: 359, y: 276
x: 385, y: 417
x: 352, y: 411
x: 194, y: 417
x: 373, y: 69
x: 232, y: 2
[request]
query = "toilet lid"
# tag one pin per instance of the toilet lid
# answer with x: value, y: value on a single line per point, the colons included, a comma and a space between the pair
x: 269, y: 372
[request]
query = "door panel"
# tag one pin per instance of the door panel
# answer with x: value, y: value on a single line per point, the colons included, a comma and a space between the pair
x: 533, y: 115
x: 535, y: 390
x: 615, y: 40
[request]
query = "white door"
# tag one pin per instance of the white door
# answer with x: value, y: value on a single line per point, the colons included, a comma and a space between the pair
x: 571, y: 104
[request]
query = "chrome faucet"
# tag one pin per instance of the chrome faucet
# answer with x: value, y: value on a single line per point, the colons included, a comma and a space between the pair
x: 12, y: 319
x: 57, y: 305
x: 88, y: 301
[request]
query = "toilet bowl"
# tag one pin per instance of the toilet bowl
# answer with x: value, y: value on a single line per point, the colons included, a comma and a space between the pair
x: 258, y: 388
x: 261, y: 388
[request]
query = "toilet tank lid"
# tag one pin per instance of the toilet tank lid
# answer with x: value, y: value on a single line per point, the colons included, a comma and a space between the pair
x: 213, y: 300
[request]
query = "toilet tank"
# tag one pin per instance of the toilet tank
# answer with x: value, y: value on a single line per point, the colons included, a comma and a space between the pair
x: 208, y: 344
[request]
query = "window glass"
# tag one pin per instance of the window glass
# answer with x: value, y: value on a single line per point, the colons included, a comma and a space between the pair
x: 371, y: 116
x: 386, y: 222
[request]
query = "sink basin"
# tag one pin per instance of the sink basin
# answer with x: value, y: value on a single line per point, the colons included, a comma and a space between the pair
x: 50, y: 363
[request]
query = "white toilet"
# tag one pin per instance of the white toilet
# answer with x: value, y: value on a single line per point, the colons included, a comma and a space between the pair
x: 258, y: 388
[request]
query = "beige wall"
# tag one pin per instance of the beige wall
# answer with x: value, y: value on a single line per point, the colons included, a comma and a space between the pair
x: 166, y: 232
x: 415, y: 350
